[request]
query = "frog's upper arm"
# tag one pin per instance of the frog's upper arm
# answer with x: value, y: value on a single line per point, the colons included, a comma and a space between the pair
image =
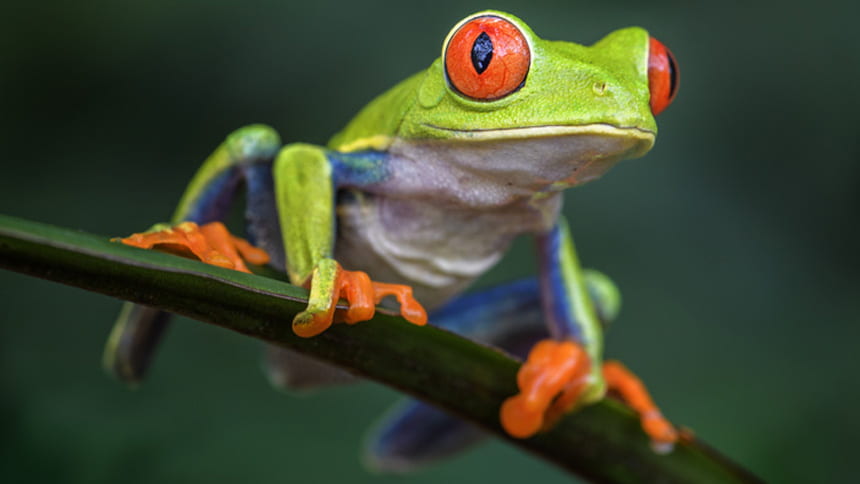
x: 306, y: 179
x: 304, y: 194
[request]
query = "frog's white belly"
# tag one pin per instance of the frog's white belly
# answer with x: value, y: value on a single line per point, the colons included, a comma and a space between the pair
x: 448, y: 209
x: 437, y: 248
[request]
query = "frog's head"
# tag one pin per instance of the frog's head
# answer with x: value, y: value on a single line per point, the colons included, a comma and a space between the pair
x: 581, y: 107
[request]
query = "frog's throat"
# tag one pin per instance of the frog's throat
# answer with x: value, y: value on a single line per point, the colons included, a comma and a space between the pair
x: 549, y: 131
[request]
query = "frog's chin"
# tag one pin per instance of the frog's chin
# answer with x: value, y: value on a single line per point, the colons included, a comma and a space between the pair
x: 553, y: 157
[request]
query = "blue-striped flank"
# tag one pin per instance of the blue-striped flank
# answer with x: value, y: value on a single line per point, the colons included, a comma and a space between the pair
x: 358, y: 169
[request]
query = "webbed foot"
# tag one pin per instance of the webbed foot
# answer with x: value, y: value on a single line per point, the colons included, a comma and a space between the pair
x: 329, y: 282
x: 212, y: 243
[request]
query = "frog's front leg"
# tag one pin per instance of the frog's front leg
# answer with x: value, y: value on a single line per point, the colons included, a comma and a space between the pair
x: 247, y: 155
x: 306, y: 180
x: 566, y: 371
x: 195, y: 227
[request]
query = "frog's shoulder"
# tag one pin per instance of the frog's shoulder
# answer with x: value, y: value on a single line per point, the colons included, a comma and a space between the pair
x: 376, y: 125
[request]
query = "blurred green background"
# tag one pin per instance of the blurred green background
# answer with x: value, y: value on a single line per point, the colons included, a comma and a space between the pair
x: 734, y: 241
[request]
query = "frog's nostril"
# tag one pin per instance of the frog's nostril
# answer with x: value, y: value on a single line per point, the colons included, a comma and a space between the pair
x: 599, y: 88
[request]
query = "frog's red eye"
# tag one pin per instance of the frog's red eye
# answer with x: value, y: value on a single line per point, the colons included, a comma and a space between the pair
x: 487, y: 58
x: 663, y: 76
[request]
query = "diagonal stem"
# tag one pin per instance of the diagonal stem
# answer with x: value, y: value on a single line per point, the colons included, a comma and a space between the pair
x: 602, y: 443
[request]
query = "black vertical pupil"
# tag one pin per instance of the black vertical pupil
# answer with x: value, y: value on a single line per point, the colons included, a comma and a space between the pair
x: 482, y: 53
x: 673, y: 74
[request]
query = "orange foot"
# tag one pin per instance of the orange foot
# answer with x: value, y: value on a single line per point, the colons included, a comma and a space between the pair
x: 211, y: 243
x: 550, y: 381
x: 361, y: 293
x: 631, y: 390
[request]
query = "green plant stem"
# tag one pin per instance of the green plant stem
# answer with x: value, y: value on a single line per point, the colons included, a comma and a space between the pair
x: 602, y: 443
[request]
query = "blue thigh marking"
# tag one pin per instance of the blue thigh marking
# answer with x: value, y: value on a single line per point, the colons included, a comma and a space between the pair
x: 414, y: 433
x: 507, y: 316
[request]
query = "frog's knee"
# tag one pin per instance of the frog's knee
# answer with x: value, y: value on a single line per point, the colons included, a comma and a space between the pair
x: 604, y: 295
x: 253, y: 142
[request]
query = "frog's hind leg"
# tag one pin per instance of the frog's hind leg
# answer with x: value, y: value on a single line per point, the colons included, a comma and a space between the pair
x: 246, y: 155
x: 509, y: 316
x: 414, y: 433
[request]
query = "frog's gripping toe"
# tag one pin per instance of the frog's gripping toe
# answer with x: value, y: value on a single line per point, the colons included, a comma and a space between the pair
x: 212, y: 243
x: 633, y: 392
x: 553, y: 378
x: 550, y: 382
x: 361, y: 293
x: 311, y: 323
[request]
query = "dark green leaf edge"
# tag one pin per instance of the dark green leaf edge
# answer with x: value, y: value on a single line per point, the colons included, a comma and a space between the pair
x: 602, y: 443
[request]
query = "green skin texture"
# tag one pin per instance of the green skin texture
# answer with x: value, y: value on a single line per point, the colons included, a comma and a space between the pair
x: 571, y: 89
x: 560, y: 91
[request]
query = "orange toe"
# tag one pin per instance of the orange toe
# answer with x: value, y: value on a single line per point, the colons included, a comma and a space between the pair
x: 214, y: 245
x: 550, y: 382
x: 362, y: 295
x: 633, y: 392
x: 254, y: 255
x: 308, y: 325
x: 211, y: 243
x: 410, y: 309
x: 518, y: 419
x: 357, y: 288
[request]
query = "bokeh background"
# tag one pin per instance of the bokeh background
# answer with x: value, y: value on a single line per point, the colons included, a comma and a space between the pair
x: 734, y: 241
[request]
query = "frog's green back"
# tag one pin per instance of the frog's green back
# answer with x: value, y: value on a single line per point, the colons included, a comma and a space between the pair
x: 376, y: 124
x: 567, y: 86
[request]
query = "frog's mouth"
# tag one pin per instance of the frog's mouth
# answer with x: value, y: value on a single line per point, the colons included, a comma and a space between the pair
x: 543, y: 131
x: 552, y: 156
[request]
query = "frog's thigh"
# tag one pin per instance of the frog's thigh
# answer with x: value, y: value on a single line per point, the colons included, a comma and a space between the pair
x: 509, y: 316
x: 414, y: 433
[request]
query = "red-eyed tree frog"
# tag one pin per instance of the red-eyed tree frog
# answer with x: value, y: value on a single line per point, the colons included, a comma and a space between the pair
x: 421, y: 193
